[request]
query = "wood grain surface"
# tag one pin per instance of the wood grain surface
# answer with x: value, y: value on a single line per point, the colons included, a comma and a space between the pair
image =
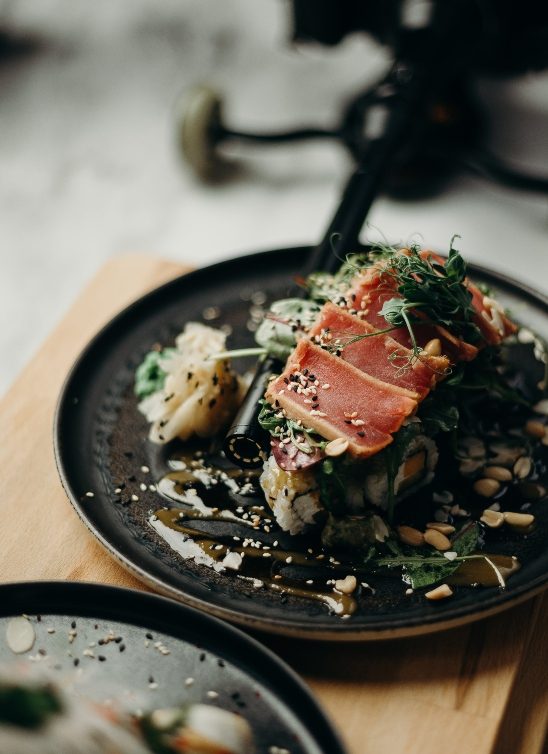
x: 479, y: 689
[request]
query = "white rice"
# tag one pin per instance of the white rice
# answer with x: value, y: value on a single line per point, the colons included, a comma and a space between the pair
x: 293, y: 496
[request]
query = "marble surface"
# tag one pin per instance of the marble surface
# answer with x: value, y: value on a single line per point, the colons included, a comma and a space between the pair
x: 90, y: 169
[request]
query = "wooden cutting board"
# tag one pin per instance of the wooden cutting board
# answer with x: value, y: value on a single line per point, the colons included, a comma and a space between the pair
x: 479, y: 689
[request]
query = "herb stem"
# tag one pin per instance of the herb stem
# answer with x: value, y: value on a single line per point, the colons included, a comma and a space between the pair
x: 237, y: 353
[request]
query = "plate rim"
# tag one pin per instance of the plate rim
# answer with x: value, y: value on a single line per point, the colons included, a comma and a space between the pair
x: 163, y: 613
x: 293, y: 628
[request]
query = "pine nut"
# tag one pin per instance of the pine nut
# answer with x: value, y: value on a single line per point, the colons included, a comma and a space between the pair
x: 469, y: 466
x: 499, y: 473
x: 505, y: 455
x: 519, y: 520
x: 486, y: 487
x: 439, y: 593
x: 534, y: 428
x: 433, y: 347
x: 437, y: 539
x: 541, y: 407
x: 336, y: 447
x: 443, y: 528
x: 410, y: 536
x: 492, y: 519
x: 522, y: 467
x: 473, y: 447
x: 346, y: 585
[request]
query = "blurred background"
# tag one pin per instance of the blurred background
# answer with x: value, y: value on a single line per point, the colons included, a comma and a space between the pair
x: 90, y: 166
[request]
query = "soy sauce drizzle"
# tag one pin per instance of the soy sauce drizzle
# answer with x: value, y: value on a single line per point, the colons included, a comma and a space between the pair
x: 258, y: 564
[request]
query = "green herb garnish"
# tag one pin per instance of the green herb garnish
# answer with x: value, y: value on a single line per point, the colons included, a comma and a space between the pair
x: 149, y: 375
x: 274, y: 421
x: 422, y: 570
x: 438, y: 291
x: 28, y: 707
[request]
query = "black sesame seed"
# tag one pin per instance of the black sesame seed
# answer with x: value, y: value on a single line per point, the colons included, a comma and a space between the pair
x: 73, y: 624
x: 76, y: 662
x: 101, y: 658
x: 122, y: 647
x: 149, y: 636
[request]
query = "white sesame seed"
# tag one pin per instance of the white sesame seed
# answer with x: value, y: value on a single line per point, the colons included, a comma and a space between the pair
x: 90, y: 494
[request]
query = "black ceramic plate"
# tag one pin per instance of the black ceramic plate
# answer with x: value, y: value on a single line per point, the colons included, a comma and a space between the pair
x: 100, y: 439
x: 165, y: 654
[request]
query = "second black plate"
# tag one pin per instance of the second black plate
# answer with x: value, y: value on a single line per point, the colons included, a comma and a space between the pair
x: 163, y: 654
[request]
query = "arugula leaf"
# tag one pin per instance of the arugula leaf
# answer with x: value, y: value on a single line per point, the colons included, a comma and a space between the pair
x: 423, y: 570
x: 429, y: 572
